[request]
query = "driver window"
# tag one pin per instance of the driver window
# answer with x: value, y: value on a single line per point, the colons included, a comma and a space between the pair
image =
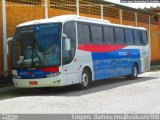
x: 69, y: 32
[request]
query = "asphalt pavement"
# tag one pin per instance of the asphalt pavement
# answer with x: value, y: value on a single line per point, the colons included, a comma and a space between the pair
x: 117, y: 95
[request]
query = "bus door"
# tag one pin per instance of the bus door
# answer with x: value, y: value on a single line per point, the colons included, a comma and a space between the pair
x: 70, y: 71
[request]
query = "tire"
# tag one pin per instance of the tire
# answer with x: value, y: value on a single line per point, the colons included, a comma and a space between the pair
x: 85, y: 79
x: 134, y: 72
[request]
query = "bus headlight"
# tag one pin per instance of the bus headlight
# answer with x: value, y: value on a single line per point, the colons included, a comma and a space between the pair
x: 16, y: 76
x: 53, y: 74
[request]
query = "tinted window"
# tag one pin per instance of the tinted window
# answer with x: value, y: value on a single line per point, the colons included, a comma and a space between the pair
x: 129, y: 36
x: 100, y: 34
x: 83, y: 33
x: 144, y: 37
x: 86, y: 33
x: 137, y: 37
x: 97, y: 34
x: 108, y: 35
x: 80, y: 33
x: 69, y: 32
x: 119, y: 35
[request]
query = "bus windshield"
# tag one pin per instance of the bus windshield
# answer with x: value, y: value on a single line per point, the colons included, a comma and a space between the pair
x: 37, y: 46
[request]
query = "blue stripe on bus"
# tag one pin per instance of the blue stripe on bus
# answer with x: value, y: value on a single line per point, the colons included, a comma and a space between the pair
x: 32, y: 74
x: 37, y: 73
x: 114, y: 64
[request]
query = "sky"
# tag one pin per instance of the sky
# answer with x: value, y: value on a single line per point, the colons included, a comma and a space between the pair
x: 136, y: 5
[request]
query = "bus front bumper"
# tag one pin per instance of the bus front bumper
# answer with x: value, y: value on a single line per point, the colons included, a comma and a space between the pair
x: 35, y: 83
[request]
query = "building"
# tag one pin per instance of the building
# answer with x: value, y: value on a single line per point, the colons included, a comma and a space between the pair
x: 152, y: 9
x: 19, y: 11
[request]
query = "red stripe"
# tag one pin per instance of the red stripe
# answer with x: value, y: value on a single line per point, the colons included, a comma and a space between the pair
x: 100, y: 47
x: 50, y: 69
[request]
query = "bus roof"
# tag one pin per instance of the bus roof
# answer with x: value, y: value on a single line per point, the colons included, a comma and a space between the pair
x: 65, y: 18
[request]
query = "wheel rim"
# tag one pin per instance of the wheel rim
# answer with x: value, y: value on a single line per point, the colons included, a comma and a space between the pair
x: 135, y: 71
x: 84, y: 79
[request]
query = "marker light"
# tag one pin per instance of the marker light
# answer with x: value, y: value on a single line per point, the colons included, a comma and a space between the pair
x: 53, y: 74
x: 16, y: 76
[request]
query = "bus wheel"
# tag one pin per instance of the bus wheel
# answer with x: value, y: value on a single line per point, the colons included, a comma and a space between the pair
x: 134, y: 72
x: 85, y: 79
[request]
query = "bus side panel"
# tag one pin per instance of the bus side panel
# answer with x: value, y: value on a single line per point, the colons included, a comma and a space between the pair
x: 145, y: 58
x: 114, y: 64
x: 84, y: 58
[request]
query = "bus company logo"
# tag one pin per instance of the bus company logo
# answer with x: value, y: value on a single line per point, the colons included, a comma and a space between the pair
x: 129, y: 53
x: 124, y: 53
x: 25, y: 73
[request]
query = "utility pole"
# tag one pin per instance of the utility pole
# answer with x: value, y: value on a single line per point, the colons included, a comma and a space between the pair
x: 101, y: 11
x: 5, y: 59
x: 136, y: 18
x: 46, y: 8
x: 121, y: 16
x: 77, y: 6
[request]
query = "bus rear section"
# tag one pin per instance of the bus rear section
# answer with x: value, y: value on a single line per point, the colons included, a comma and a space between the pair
x: 115, y: 50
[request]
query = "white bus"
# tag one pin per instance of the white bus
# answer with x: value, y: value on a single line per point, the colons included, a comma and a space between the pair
x: 70, y: 49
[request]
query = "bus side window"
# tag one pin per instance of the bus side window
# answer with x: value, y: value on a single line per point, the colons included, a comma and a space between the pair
x: 100, y: 34
x: 83, y: 33
x: 108, y: 35
x: 119, y: 35
x: 129, y: 36
x: 137, y: 37
x: 70, y: 31
x: 144, y: 37
x: 97, y: 34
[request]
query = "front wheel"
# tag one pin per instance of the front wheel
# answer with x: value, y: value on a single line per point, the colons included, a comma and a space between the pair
x: 85, y: 79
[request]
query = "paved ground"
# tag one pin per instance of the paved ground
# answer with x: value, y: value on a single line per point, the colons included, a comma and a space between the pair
x: 110, y: 96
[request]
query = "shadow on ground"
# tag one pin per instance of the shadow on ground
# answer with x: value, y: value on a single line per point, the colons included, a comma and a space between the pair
x: 97, y: 86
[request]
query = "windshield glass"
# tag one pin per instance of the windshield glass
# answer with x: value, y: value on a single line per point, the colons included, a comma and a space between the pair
x: 37, y: 46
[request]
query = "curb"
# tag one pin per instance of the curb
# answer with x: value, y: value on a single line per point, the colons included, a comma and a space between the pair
x: 155, y: 67
x: 4, y: 89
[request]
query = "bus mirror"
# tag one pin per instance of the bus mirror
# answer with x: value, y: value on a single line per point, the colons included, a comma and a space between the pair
x: 8, y: 39
x: 67, y: 44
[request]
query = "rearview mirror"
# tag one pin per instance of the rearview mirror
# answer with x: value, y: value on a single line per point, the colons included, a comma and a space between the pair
x: 8, y: 39
x: 67, y: 44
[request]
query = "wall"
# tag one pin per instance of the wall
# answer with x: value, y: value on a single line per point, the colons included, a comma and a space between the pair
x: 155, y: 44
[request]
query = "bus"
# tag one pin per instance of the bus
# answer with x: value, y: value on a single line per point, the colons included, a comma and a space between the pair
x: 70, y: 49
